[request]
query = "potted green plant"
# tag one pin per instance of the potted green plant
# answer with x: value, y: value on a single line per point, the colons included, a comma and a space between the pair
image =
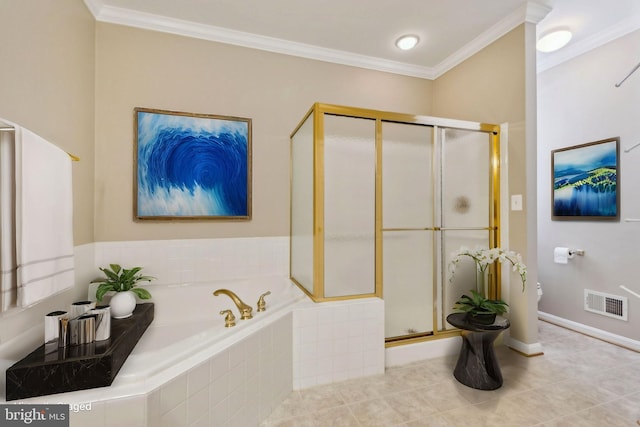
x: 123, y: 282
x: 480, y: 309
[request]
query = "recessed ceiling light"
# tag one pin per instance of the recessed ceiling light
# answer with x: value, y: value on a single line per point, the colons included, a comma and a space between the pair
x: 553, y: 41
x: 407, y: 42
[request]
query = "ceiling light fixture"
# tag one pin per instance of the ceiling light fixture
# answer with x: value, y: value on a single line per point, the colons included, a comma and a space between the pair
x: 554, y: 40
x: 407, y: 42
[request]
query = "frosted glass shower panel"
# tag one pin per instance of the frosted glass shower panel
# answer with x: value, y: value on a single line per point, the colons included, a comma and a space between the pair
x: 349, y: 206
x: 407, y: 175
x: 466, y: 178
x: 380, y: 203
x: 302, y: 205
x: 464, y: 279
x: 408, y: 274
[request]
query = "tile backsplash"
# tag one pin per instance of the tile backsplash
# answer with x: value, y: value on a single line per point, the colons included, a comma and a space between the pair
x: 199, y: 260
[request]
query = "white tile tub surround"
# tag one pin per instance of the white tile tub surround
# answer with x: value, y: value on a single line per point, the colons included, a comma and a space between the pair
x: 336, y: 341
x: 239, y: 386
x: 199, y: 260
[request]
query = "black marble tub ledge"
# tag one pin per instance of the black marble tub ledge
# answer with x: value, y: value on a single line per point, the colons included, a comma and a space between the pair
x: 50, y: 370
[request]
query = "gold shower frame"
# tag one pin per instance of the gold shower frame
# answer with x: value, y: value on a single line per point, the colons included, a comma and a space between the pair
x: 319, y: 110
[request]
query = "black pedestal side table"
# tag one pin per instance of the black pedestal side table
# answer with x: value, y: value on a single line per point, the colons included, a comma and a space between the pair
x: 477, y: 365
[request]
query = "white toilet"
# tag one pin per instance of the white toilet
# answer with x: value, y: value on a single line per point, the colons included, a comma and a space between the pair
x: 539, y: 291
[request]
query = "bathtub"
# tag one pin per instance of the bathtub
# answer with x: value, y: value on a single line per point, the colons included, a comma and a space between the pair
x: 188, y: 368
x: 188, y: 328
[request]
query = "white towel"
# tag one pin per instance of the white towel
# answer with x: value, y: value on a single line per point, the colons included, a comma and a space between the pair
x: 8, y: 283
x: 44, y: 218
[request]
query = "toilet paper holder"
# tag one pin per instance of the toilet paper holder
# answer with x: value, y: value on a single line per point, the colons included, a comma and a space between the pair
x: 562, y: 254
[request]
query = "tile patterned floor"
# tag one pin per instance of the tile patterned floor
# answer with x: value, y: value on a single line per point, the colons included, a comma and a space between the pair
x: 579, y: 381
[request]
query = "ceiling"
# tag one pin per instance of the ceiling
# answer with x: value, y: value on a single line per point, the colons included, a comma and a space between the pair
x: 362, y: 32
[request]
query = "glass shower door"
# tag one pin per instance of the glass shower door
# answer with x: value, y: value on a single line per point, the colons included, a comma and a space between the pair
x: 435, y: 200
x: 349, y: 206
x: 407, y: 229
x: 465, y: 209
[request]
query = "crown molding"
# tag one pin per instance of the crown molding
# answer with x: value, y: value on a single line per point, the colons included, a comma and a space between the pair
x: 535, y: 12
x: 147, y: 21
x: 94, y: 6
x: 550, y: 60
x: 528, y: 12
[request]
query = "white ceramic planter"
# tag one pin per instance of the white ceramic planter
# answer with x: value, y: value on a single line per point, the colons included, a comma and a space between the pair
x: 122, y: 304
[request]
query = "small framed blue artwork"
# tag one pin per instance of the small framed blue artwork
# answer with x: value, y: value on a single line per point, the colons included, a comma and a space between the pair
x: 586, y: 181
x: 191, y: 166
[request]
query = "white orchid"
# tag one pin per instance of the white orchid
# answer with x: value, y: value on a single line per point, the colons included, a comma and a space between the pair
x: 484, y: 257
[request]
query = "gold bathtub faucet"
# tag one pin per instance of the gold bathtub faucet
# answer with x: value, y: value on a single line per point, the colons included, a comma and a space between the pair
x: 245, y: 310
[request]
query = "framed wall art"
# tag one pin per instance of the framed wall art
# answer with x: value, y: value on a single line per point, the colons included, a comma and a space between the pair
x: 191, y: 166
x: 586, y: 181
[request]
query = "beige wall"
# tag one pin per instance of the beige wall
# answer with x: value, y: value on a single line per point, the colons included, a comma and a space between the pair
x: 46, y: 85
x: 139, y: 68
x: 492, y: 86
x: 488, y: 87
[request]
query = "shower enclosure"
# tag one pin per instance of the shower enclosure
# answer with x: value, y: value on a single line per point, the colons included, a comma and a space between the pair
x: 379, y: 203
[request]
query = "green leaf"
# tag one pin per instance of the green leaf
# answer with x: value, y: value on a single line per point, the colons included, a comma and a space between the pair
x: 103, y: 289
x: 141, y: 293
x: 478, y: 303
x: 498, y: 307
x: 464, y: 308
x: 475, y: 300
x: 133, y: 271
x: 110, y: 274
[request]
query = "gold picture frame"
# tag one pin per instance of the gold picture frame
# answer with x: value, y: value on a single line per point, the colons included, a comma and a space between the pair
x: 191, y: 166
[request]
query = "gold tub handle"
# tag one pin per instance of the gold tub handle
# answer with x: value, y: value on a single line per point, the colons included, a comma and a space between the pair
x: 262, y: 304
x: 230, y: 319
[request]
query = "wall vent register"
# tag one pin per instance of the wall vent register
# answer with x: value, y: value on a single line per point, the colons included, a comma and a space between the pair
x: 606, y: 304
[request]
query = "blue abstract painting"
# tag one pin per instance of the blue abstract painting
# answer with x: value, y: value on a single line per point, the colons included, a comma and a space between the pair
x: 192, y: 165
x: 585, y: 181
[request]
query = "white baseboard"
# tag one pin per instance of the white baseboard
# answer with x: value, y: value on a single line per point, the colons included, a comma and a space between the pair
x: 534, y: 349
x: 592, y: 332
